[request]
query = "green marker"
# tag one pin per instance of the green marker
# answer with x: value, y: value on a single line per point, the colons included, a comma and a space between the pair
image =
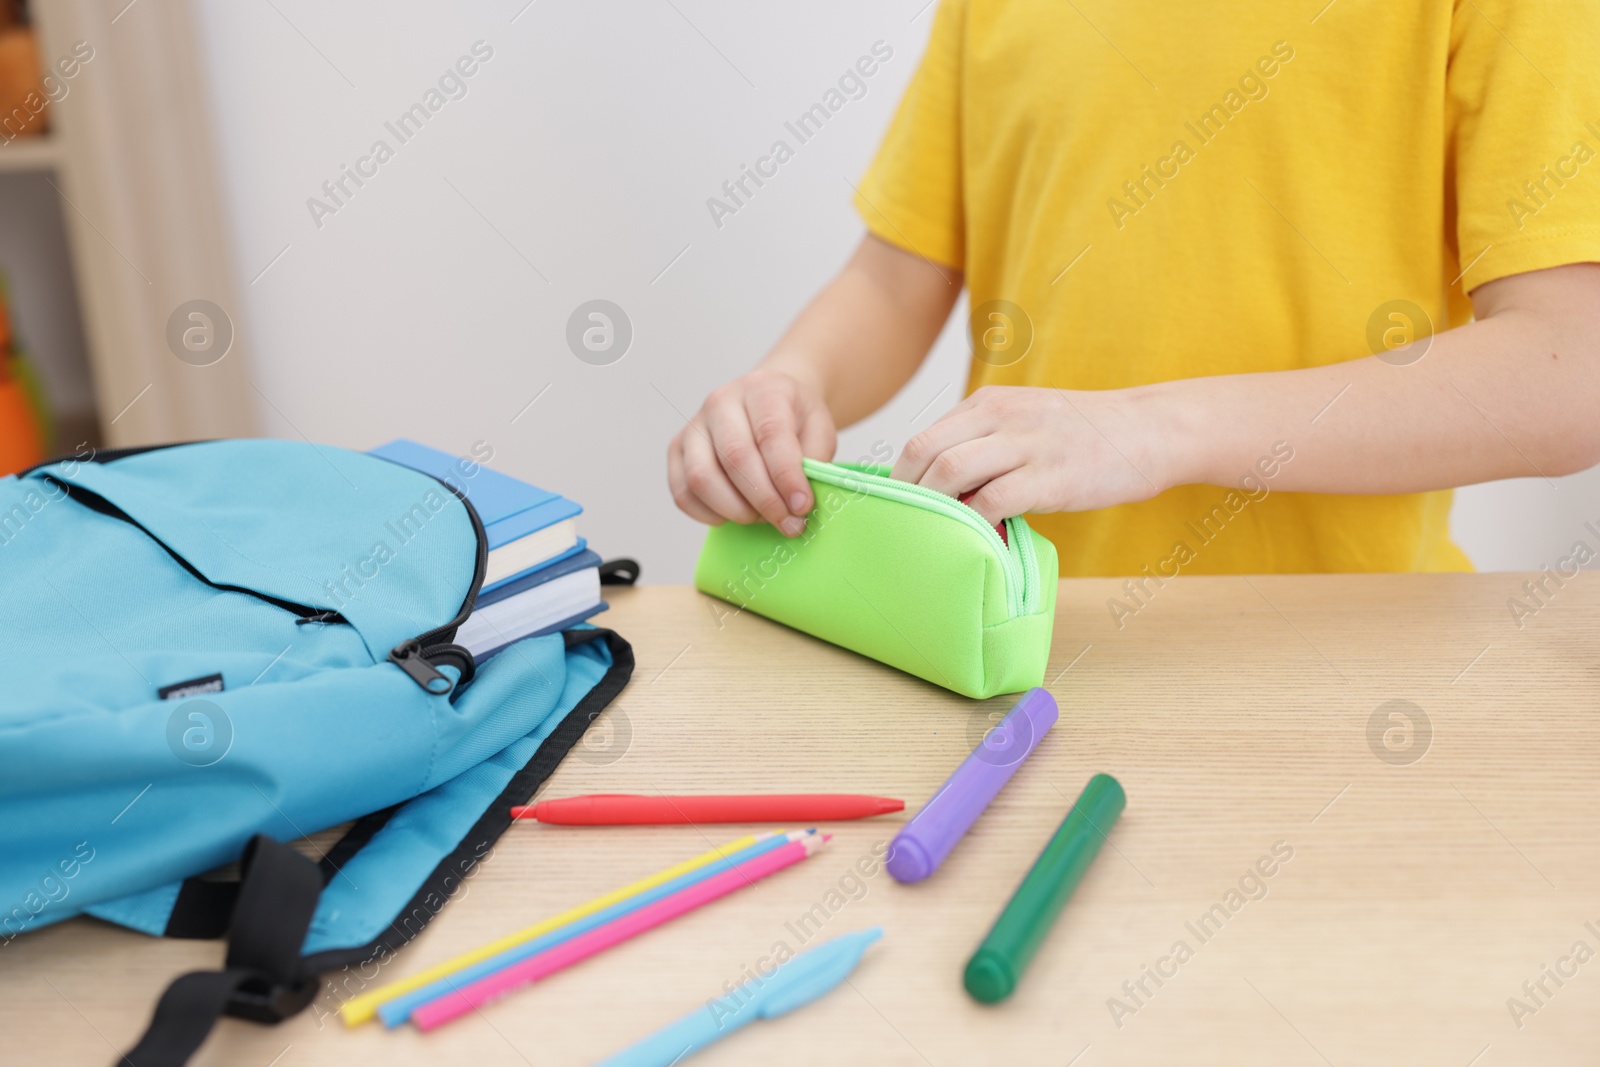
x: 993, y: 970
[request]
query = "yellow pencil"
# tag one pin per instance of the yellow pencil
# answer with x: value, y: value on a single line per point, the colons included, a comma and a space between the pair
x: 359, y: 1009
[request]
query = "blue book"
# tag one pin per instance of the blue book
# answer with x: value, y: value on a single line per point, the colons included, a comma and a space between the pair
x: 527, y: 527
x: 565, y: 624
x: 551, y: 598
x: 534, y: 578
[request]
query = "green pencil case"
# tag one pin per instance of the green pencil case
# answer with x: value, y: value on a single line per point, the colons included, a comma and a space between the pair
x: 900, y: 573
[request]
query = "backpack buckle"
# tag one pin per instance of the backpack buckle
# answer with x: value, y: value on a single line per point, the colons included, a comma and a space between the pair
x: 263, y: 999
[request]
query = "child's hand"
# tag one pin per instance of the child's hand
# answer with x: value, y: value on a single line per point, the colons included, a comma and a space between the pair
x: 1042, y: 450
x: 739, y: 457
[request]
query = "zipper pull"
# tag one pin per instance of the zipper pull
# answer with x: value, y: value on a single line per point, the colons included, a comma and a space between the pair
x: 408, y: 657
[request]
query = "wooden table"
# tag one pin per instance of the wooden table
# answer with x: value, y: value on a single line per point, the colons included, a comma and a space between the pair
x: 1424, y: 888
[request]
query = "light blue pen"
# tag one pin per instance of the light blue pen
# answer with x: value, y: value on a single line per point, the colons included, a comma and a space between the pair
x: 795, y: 984
x: 398, y: 1010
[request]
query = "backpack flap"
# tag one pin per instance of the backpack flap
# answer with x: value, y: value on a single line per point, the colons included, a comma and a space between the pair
x: 314, y: 531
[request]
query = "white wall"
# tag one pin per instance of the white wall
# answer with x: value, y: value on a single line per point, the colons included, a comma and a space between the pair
x: 434, y: 303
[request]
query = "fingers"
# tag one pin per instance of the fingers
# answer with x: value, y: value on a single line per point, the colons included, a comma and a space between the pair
x: 1010, y: 494
x: 777, y: 437
x: 728, y: 424
x: 708, y: 482
x: 971, y: 464
x: 955, y: 427
x: 678, y: 481
x: 818, y: 437
x: 742, y: 456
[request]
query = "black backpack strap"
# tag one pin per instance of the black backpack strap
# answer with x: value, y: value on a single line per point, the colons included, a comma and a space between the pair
x: 619, y: 571
x: 261, y: 977
x: 204, y: 906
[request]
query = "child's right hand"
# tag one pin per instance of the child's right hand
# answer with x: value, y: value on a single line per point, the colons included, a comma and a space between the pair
x: 739, y: 457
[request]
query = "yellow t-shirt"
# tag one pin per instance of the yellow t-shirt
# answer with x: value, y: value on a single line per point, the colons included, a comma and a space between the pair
x: 1176, y: 190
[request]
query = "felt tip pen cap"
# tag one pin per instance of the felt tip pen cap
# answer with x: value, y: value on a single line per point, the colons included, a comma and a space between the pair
x: 988, y: 978
x: 924, y: 842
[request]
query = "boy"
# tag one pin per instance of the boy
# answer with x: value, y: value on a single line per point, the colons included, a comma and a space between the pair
x: 1253, y: 285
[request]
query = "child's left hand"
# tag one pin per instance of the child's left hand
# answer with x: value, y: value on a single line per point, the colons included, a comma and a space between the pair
x: 1041, y: 450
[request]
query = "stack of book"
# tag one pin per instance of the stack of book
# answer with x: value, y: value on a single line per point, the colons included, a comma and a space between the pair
x: 541, y: 576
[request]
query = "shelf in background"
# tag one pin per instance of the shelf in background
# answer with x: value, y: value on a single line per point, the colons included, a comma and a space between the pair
x: 30, y: 153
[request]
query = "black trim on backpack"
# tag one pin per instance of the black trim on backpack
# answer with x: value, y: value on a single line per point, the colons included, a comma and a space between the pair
x: 101, y: 506
x: 354, y: 840
x: 105, y: 455
x: 448, y: 875
x: 271, y: 907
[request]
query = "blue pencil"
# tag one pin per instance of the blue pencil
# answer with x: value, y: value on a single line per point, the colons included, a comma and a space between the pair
x: 398, y: 1010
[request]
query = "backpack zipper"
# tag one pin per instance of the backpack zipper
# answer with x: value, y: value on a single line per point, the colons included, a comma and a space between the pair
x: 416, y: 656
x: 413, y: 656
x: 1018, y: 560
x: 95, y: 502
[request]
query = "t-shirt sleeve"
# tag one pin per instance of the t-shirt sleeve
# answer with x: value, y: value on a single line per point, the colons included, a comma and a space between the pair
x: 1523, y: 116
x: 911, y: 194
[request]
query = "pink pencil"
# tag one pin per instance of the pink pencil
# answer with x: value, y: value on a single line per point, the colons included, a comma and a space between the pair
x: 440, y: 1011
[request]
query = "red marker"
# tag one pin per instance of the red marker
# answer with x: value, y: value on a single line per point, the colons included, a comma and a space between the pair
x: 622, y: 809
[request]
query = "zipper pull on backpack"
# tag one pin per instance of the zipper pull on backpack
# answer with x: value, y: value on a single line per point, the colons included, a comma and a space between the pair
x: 408, y: 657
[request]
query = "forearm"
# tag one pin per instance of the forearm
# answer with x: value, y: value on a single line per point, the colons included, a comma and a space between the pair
x: 1513, y: 394
x: 865, y: 334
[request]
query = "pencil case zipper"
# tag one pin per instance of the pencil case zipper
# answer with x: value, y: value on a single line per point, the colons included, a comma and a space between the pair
x: 1018, y: 560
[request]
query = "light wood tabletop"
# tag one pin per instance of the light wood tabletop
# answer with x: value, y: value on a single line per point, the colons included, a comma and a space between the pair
x: 1427, y: 858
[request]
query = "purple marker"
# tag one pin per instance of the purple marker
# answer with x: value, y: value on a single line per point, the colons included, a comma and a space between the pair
x: 927, y: 839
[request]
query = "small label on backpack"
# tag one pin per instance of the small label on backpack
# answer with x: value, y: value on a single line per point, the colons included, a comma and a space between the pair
x: 211, y: 683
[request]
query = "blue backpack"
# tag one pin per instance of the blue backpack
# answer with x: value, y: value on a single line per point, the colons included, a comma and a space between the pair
x: 223, y: 646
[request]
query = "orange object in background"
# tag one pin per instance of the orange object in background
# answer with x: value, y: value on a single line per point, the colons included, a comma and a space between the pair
x: 21, y: 442
x: 21, y: 436
x: 24, y: 109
